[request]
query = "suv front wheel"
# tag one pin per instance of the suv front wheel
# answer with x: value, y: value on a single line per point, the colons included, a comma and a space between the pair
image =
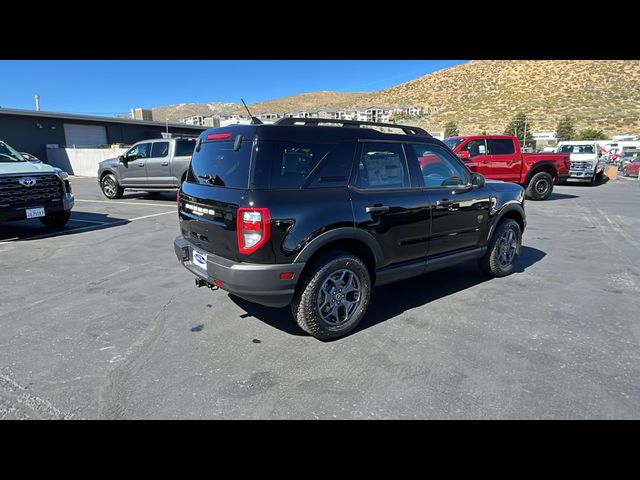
x: 332, y: 299
x: 56, y: 220
x: 503, y: 251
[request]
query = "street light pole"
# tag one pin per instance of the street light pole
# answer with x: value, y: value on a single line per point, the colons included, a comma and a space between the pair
x: 167, y: 124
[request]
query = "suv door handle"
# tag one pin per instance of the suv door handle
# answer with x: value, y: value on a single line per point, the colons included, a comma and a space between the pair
x: 448, y: 204
x: 165, y: 164
x: 141, y: 164
x: 379, y: 210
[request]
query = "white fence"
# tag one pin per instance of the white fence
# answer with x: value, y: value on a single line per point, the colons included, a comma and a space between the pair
x: 82, y: 162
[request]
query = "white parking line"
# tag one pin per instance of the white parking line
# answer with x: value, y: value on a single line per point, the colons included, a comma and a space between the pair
x: 80, y: 229
x: 122, y: 203
x: 154, y: 215
x: 53, y: 234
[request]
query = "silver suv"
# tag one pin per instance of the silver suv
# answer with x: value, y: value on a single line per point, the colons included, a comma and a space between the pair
x: 151, y: 165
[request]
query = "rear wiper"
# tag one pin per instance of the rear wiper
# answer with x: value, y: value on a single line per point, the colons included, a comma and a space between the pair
x: 212, y: 179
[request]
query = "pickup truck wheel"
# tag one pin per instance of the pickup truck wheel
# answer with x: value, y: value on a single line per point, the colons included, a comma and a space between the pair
x: 332, y: 299
x: 110, y: 187
x: 540, y: 187
x: 503, y: 251
x: 56, y: 220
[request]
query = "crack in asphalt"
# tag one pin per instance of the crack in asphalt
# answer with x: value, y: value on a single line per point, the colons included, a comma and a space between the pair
x: 113, y: 396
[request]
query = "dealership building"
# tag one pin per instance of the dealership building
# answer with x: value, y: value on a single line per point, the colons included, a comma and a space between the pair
x: 35, y: 131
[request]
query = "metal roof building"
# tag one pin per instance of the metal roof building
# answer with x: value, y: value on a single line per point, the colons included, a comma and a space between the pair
x: 31, y: 131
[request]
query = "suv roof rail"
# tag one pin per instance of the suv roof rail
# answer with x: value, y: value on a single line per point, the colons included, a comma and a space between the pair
x: 351, y: 123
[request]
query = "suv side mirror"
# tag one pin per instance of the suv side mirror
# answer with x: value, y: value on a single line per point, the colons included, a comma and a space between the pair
x: 464, y: 155
x: 477, y: 180
x: 122, y: 159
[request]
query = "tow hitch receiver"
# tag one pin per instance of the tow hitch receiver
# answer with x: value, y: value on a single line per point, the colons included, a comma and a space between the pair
x: 203, y: 283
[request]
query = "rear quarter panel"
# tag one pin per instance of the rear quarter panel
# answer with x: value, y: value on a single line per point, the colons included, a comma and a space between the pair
x: 300, y: 216
x: 531, y: 160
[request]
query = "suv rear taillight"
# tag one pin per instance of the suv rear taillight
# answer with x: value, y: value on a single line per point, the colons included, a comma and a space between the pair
x: 254, y: 229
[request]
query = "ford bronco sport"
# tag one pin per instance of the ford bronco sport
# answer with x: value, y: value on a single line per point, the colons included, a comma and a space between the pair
x: 313, y: 213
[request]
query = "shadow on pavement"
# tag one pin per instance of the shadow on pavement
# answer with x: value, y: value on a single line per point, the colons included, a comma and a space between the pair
x: 79, y: 222
x: 392, y: 300
x: 561, y: 196
x: 168, y: 196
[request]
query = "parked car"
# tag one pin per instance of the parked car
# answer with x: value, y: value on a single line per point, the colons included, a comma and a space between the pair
x: 631, y: 169
x: 587, y: 162
x: 30, y: 158
x: 628, y: 162
x: 499, y: 157
x: 314, y: 216
x: 151, y: 165
x: 33, y: 190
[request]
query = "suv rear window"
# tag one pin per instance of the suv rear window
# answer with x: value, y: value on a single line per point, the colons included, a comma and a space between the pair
x: 184, y: 148
x: 217, y: 164
x: 293, y: 165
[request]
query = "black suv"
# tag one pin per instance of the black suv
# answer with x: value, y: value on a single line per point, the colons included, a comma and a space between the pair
x: 314, y: 213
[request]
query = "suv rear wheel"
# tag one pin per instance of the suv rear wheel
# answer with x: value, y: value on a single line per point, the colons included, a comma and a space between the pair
x: 503, y: 251
x: 332, y: 299
x: 110, y: 187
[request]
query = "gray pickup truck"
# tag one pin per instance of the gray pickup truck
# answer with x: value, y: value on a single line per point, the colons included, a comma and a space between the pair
x: 151, y: 165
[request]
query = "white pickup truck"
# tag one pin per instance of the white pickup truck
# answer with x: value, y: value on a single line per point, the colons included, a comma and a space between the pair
x: 33, y: 190
x: 587, y: 161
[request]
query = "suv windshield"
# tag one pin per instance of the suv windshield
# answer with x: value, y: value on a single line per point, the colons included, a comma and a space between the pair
x: 8, y: 154
x: 218, y: 164
x: 631, y: 154
x: 453, y: 142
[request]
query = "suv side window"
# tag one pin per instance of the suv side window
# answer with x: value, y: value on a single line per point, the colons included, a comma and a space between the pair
x: 139, y: 151
x: 382, y: 165
x: 475, y: 148
x: 501, y: 146
x: 160, y: 149
x: 438, y: 168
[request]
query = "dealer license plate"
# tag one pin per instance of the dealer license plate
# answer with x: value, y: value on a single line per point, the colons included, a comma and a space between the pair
x: 199, y: 259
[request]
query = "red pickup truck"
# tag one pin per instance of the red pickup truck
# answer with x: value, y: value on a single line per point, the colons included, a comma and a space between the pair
x: 499, y: 157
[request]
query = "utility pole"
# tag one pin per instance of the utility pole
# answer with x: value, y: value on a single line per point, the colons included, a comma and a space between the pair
x: 524, y: 139
x: 167, y: 125
x: 37, y: 103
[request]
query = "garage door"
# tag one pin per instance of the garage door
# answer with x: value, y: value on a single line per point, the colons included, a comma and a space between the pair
x: 84, y: 135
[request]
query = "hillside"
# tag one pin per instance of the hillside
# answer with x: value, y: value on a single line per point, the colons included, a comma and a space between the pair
x: 484, y: 95
x: 307, y: 101
x: 176, y: 113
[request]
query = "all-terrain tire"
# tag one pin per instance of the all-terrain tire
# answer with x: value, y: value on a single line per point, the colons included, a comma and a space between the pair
x: 493, y: 263
x: 540, y: 186
x: 305, y: 305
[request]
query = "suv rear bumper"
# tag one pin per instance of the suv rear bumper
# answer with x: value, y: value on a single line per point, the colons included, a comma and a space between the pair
x: 257, y: 283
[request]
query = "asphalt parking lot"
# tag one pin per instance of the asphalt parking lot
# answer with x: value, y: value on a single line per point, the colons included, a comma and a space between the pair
x: 98, y: 320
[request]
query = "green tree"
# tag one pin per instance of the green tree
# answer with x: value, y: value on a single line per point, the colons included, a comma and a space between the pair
x: 591, y: 134
x: 517, y: 126
x: 451, y: 129
x: 565, y: 130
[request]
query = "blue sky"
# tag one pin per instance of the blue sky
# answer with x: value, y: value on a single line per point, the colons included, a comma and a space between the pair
x: 111, y: 87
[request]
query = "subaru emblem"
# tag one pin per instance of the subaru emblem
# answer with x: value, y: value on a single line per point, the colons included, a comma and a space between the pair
x: 27, y: 181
